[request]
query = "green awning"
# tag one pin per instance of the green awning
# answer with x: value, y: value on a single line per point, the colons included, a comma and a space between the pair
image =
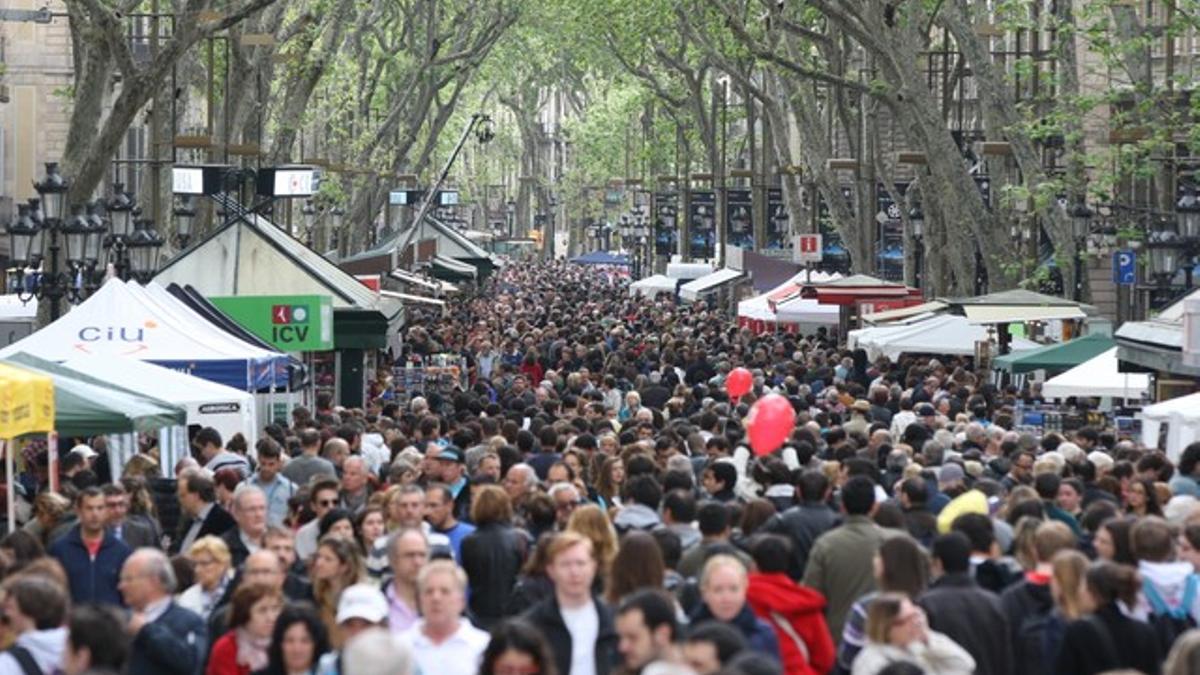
x: 1055, y: 358
x: 85, y: 406
x: 359, y: 329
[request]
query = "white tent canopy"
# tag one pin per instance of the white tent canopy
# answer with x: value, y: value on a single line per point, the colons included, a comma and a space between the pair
x: 688, y: 271
x: 653, y: 285
x: 796, y: 311
x: 697, y: 288
x: 1182, y: 417
x: 149, y: 324
x: 949, y: 335
x: 208, y: 404
x: 1098, y: 377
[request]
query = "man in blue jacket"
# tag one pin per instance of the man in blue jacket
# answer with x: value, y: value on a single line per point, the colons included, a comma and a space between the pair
x: 167, y: 639
x: 90, y: 553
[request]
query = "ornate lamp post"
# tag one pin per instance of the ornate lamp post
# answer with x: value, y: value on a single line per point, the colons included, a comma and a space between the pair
x: 185, y: 217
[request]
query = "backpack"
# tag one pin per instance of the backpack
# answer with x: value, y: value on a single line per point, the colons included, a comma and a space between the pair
x: 1171, y: 622
x: 1032, y: 643
x: 25, y: 660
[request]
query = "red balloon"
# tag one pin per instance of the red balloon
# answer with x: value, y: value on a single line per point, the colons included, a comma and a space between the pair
x: 738, y: 383
x: 769, y: 423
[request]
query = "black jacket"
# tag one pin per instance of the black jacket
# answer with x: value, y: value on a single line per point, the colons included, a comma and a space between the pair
x: 802, y: 524
x: 547, y: 618
x: 1027, y: 608
x: 237, y: 548
x: 174, y: 644
x: 492, y: 557
x: 217, y: 522
x: 1108, y: 640
x: 973, y: 618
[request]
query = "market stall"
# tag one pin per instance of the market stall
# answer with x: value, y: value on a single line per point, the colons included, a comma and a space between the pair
x: 602, y: 258
x: 942, y: 335
x: 1098, y: 377
x: 252, y: 256
x: 207, y: 404
x: 87, y: 406
x: 125, y: 319
x: 709, y: 284
x: 652, y: 286
x: 1181, y: 416
x: 1055, y: 358
x: 26, y: 407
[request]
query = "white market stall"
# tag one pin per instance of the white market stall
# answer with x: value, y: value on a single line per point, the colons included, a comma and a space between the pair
x: 652, y: 286
x: 207, y: 404
x: 1098, y: 377
x: 148, y: 324
x: 947, y: 334
x: 782, y: 309
x: 1182, y: 417
x: 708, y: 284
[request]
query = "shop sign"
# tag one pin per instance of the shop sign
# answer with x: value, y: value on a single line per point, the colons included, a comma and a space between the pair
x: 291, y: 323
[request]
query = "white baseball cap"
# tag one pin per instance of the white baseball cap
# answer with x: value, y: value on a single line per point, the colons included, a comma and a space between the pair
x: 85, y: 450
x: 362, y: 601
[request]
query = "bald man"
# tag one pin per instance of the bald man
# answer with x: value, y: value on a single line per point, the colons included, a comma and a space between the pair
x: 166, y: 638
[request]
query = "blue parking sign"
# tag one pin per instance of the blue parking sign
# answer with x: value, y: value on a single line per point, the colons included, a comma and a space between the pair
x: 1124, y: 268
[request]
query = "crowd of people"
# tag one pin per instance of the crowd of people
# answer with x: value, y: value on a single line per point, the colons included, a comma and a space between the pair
x: 588, y: 504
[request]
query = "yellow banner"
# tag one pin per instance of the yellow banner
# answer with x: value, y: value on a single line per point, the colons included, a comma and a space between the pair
x: 26, y: 402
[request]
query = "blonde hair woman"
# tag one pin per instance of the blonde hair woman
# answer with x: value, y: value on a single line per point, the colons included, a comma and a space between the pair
x: 592, y: 523
x: 1067, y: 584
x: 211, y: 561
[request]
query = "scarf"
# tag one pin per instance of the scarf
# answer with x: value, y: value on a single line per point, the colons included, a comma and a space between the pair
x: 251, y: 650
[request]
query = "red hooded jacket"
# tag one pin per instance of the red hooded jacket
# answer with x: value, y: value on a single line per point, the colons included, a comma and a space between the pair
x: 794, y: 611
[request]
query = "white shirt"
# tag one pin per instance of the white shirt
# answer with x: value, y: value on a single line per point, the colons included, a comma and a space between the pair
x: 459, y: 654
x: 583, y: 623
x: 194, y: 531
x: 306, y: 538
x: 154, y: 611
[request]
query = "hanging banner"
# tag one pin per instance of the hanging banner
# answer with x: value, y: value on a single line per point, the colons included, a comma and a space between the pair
x: 739, y: 225
x: 835, y: 256
x: 702, y: 225
x: 666, y: 223
x: 889, y: 237
x: 778, y: 221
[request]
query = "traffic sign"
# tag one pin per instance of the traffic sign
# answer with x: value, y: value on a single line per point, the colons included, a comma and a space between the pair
x: 806, y: 248
x: 1124, y: 268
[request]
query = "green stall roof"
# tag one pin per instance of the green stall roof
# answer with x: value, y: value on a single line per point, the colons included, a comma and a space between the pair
x: 85, y: 406
x: 1057, y: 357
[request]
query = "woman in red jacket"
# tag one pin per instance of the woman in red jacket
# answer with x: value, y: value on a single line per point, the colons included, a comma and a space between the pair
x: 532, y: 368
x: 797, y: 613
x: 252, y: 615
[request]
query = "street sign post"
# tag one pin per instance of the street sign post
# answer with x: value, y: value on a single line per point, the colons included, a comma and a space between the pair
x: 1124, y: 268
x: 806, y: 248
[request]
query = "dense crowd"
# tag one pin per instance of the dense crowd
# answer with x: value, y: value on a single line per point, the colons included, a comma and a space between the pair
x: 587, y: 504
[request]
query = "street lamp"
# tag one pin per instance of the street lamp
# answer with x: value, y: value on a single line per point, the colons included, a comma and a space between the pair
x: 1162, y: 242
x: 143, y: 245
x: 1188, y: 208
x: 335, y: 237
x: 511, y: 210
x: 917, y: 217
x: 21, y: 233
x: 95, y: 237
x: 310, y: 220
x: 185, y: 216
x: 1081, y: 227
x: 53, y: 192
